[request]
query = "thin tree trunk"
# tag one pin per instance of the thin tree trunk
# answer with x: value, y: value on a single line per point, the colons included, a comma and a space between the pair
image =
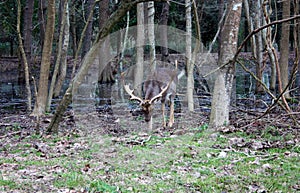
x: 296, y: 38
x: 259, y: 46
x: 124, y: 42
x: 42, y: 24
x: 139, y: 70
x: 64, y: 53
x: 59, y: 52
x: 284, y: 47
x: 73, y: 29
x: 28, y: 13
x: 250, y: 26
x: 164, y: 32
x: 223, y: 86
x: 151, y: 36
x: 87, y: 41
x: 46, y: 60
x: 267, y: 35
x: 105, y: 67
x: 24, y: 58
x: 188, y: 55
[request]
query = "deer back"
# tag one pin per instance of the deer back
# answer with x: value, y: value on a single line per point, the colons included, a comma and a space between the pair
x: 158, y: 80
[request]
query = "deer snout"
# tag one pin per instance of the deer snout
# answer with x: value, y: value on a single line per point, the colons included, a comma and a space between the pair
x: 147, y: 118
x: 147, y: 109
x: 147, y: 115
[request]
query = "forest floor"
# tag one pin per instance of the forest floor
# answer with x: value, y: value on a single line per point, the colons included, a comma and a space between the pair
x: 113, y: 152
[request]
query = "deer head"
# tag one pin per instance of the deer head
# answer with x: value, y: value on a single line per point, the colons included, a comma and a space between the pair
x: 146, y: 104
x: 160, y: 84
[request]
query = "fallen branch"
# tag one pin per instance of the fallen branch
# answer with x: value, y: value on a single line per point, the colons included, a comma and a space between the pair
x: 10, y: 134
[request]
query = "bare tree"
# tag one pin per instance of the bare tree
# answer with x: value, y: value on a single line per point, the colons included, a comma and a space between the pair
x: 257, y: 18
x: 42, y: 24
x: 269, y: 44
x: 164, y: 31
x: 151, y: 36
x: 62, y: 48
x: 106, y: 74
x: 26, y: 70
x: 188, y: 55
x: 250, y: 24
x: 41, y: 100
x: 223, y: 84
x: 139, y: 68
x: 87, y: 41
x: 284, y: 47
x: 28, y: 14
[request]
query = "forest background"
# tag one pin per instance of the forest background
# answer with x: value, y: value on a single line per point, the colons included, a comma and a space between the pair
x: 241, y: 60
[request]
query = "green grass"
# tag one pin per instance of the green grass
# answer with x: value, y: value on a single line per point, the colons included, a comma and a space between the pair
x: 202, y: 161
x: 10, y: 184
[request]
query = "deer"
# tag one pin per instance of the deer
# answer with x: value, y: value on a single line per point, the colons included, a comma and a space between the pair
x: 161, y: 84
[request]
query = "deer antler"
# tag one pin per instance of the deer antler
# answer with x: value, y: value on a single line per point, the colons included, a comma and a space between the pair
x: 130, y: 92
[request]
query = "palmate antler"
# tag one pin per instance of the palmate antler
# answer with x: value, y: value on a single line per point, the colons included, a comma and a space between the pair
x: 132, y: 96
x: 155, y: 83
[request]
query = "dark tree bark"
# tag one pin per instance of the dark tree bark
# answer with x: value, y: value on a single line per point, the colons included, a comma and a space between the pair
x: 164, y: 32
x: 28, y: 13
x: 284, y: 47
x: 41, y: 100
x: 224, y: 81
x: 42, y: 24
x: 87, y: 41
x: 73, y: 29
x: 105, y: 68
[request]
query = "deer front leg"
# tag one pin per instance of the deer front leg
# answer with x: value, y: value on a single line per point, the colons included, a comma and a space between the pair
x: 171, y: 120
x: 150, y: 124
x: 163, y: 114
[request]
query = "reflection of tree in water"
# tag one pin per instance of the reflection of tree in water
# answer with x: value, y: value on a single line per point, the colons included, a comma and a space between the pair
x: 103, y: 92
x: 103, y: 98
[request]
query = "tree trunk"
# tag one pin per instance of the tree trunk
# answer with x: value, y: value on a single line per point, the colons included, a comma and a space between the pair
x: 223, y: 84
x: 124, y: 42
x: 59, y: 52
x: 284, y: 47
x: 259, y: 45
x: 63, y: 49
x: 250, y: 26
x: 139, y: 69
x: 41, y: 101
x: 42, y: 24
x: 267, y: 35
x: 151, y: 36
x: 188, y: 56
x: 73, y: 29
x: 64, y: 54
x: 26, y: 69
x: 164, y: 32
x: 28, y: 13
x: 87, y: 41
x: 297, y: 39
x: 105, y: 67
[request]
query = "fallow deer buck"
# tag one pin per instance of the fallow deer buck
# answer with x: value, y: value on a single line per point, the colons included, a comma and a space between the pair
x: 161, y: 84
